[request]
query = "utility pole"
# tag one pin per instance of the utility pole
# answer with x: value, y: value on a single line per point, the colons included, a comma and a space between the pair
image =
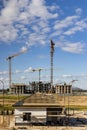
x: 3, y: 100
x: 51, y: 56
x: 9, y: 61
x: 70, y: 84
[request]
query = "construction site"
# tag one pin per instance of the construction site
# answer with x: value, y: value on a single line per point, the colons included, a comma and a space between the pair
x: 46, y: 111
x: 42, y: 106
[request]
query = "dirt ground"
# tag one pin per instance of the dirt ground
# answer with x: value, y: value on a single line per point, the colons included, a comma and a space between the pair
x: 81, y: 124
x: 49, y: 128
x: 7, y: 123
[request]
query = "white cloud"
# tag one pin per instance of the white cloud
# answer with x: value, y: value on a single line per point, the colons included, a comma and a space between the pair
x: 24, y: 49
x: 79, y: 26
x: 78, y: 11
x: 25, y: 13
x: 17, y: 71
x: 73, y: 47
x: 73, y: 30
x: 2, y: 79
x: 28, y: 21
x: 54, y: 7
x: 29, y: 69
x: 3, y: 72
x: 42, y: 56
x: 6, y: 80
x: 67, y: 76
x: 8, y: 33
x: 83, y: 75
x: 23, y: 77
x: 9, y: 13
x: 68, y: 21
x: 42, y: 24
x: 74, y: 76
x: 38, y: 9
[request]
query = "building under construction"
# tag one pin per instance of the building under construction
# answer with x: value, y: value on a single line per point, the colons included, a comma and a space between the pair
x: 63, y: 89
x: 18, y: 88
x: 32, y: 88
x: 38, y: 86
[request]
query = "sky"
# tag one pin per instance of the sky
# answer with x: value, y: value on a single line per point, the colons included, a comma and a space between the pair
x: 26, y: 28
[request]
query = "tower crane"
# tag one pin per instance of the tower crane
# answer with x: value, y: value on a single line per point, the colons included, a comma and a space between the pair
x: 9, y: 58
x: 51, y: 56
x: 39, y: 70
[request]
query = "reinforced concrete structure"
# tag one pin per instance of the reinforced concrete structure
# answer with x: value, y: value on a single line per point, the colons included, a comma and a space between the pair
x: 18, y: 88
x: 31, y: 88
x: 39, y: 87
x: 63, y: 89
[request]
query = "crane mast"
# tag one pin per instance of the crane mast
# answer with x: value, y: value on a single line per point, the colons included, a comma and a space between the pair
x: 51, y: 56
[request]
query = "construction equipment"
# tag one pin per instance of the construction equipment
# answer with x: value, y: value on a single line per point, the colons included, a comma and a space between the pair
x: 9, y: 58
x: 51, y: 56
x: 39, y: 70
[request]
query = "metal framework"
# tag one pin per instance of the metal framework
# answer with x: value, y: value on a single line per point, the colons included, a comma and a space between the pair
x: 9, y: 58
x: 39, y: 70
x: 51, y: 55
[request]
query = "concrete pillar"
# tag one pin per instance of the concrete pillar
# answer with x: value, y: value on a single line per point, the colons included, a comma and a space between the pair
x: 70, y: 89
x: 16, y: 89
x: 60, y: 89
x: 64, y: 88
x: 67, y: 89
x: 57, y: 89
x: 22, y: 89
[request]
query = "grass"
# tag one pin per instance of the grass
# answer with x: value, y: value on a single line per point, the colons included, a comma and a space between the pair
x: 12, y: 96
x: 6, y: 107
x: 77, y: 107
x: 9, y: 100
x: 74, y: 104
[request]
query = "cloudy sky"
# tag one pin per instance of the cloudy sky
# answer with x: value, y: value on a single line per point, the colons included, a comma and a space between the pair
x: 26, y: 28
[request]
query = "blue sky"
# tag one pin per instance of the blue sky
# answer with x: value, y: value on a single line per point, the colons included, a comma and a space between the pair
x: 29, y: 25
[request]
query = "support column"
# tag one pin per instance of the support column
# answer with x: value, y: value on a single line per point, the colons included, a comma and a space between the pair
x: 67, y: 88
x: 22, y: 90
